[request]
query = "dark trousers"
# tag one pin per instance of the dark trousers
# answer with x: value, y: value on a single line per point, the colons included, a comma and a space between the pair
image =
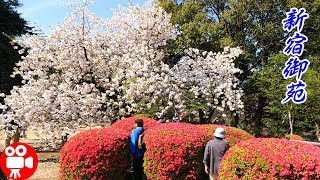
x: 138, y: 168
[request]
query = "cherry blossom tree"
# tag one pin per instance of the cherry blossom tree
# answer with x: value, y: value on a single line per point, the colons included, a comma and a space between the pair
x: 90, y: 68
x: 205, y: 82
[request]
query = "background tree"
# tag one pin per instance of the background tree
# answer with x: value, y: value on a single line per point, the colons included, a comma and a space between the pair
x: 198, y: 26
x: 251, y: 25
x: 194, y: 27
x: 89, y: 67
x: 288, y: 118
x: 207, y: 82
x: 256, y: 27
x: 296, y: 115
x: 11, y: 26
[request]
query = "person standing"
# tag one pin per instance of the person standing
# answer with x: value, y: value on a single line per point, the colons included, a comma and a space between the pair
x: 25, y: 125
x: 64, y: 138
x: 23, y: 130
x: 12, y: 133
x: 159, y: 117
x: 214, y: 152
x: 136, y: 153
x: 219, y: 120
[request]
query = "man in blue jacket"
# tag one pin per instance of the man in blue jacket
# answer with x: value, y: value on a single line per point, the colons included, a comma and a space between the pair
x: 135, y: 152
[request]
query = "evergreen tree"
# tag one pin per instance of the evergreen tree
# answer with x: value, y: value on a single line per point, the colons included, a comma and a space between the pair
x: 11, y: 25
x: 256, y: 27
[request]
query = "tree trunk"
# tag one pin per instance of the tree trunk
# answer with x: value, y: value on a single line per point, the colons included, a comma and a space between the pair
x: 235, y: 121
x: 318, y: 131
x: 211, y: 111
x: 290, y: 122
x: 258, y: 116
x: 201, y: 116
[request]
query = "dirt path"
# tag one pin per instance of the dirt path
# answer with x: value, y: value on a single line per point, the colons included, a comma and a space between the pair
x: 48, y: 167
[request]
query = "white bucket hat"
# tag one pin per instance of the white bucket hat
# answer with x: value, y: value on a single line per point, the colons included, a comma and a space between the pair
x: 220, y: 133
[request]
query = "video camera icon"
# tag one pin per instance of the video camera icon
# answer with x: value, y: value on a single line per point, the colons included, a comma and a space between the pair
x: 15, y: 163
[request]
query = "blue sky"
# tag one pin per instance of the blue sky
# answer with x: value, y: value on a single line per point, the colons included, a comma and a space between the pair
x: 47, y: 14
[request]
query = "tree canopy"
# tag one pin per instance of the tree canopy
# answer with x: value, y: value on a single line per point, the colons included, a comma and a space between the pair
x: 163, y: 58
x: 12, y: 25
x: 256, y: 27
x: 90, y: 68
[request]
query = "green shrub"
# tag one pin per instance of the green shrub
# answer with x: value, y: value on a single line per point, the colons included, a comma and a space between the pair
x: 143, y: 115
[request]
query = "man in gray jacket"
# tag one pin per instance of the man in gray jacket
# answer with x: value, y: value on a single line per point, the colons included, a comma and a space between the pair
x: 214, y: 152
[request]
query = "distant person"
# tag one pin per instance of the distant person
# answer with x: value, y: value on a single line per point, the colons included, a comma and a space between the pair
x: 183, y: 116
x: 214, y: 152
x: 23, y: 130
x: 175, y: 118
x: 25, y: 125
x: 136, y: 152
x: 113, y: 118
x: 64, y: 138
x: 159, y: 117
x: 11, y: 128
x: 12, y: 133
x: 219, y: 121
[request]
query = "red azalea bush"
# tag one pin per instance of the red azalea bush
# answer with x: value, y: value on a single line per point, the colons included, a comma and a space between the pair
x: 127, y: 124
x: 2, y: 176
x: 95, y: 154
x: 233, y: 135
x: 263, y: 158
x: 175, y: 151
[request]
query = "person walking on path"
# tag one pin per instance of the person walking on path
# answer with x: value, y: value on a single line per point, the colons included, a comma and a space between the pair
x: 25, y: 125
x: 214, y: 152
x: 23, y: 130
x: 136, y: 153
x: 12, y: 133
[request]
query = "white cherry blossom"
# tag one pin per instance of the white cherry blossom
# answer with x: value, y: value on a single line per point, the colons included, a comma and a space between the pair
x: 90, y: 69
